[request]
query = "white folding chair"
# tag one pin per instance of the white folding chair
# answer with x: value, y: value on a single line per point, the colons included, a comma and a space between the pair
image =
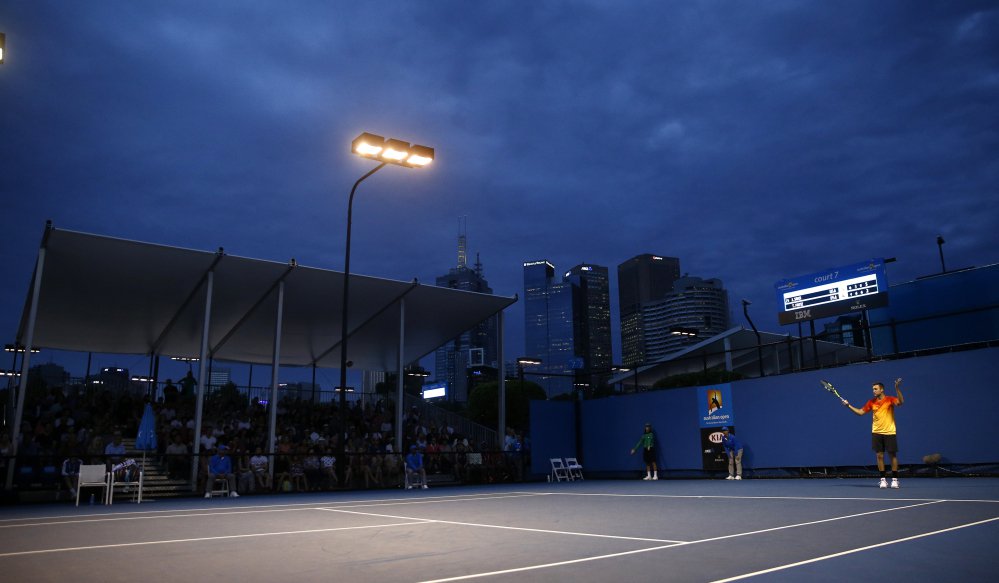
x: 559, y: 471
x: 414, y: 479
x: 575, y: 470
x: 136, y: 480
x: 220, y: 487
x: 92, y: 475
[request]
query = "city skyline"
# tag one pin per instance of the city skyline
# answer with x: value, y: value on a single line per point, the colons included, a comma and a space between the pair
x: 755, y: 142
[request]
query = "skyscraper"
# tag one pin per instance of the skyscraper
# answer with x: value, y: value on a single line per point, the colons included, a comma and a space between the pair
x: 473, y: 347
x: 593, y: 327
x: 640, y: 280
x: 694, y: 305
x: 567, y: 323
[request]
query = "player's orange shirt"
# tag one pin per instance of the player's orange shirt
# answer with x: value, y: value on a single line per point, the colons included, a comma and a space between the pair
x: 884, y: 415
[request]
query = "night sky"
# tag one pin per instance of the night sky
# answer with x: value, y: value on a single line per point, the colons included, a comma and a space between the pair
x: 753, y: 140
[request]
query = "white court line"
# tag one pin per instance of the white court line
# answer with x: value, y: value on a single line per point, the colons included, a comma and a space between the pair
x: 226, y: 509
x: 425, y: 501
x: 565, y: 532
x: 207, y: 538
x: 857, y: 550
x: 683, y: 544
x: 113, y: 517
x: 547, y: 565
x: 728, y: 497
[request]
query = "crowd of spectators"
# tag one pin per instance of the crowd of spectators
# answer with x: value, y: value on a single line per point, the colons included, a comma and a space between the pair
x: 66, y: 426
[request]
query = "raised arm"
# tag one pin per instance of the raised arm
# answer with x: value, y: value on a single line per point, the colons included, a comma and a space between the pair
x: 898, y: 391
x: 851, y: 407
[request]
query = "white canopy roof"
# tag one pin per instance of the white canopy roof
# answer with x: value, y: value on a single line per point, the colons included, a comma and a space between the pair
x: 101, y: 294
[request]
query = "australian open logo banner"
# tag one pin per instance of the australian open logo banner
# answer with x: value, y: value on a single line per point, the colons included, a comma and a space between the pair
x: 715, y: 406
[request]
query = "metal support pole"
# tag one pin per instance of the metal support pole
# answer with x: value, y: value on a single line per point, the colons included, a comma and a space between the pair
x: 400, y: 378
x: 759, y: 341
x: 501, y: 431
x: 25, y: 363
x: 151, y: 383
x: 200, y: 407
x: 272, y: 405
x: 815, y: 345
x: 801, y: 348
x: 940, y: 244
x: 341, y: 457
x: 313, y: 397
x: 865, y: 324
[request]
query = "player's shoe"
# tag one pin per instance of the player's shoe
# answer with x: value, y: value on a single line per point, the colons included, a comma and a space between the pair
x: 647, y: 477
x: 894, y: 483
x: 883, y: 484
x: 425, y: 486
x: 233, y: 494
x: 738, y: 477
x: 655, y: 477
x: 730, y: 478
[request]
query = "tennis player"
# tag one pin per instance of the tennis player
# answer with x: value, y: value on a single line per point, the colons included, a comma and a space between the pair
x: 648, y: 444
x: 883, y: 437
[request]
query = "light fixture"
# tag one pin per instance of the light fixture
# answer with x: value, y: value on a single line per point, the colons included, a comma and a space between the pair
x: 18, y: 348
x: 420, y: 156
x: 368, y: 145
x: 681, y: 331
x: 395, y: 150
x: 392, y: 151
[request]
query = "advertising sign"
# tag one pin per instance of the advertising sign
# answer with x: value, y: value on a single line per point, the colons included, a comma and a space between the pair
x: 715, y: 406
x: 714, y: 411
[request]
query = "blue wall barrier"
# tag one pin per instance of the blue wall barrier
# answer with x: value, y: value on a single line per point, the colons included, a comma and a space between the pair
x: 789, y: 421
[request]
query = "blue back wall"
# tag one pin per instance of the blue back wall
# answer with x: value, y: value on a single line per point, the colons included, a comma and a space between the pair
x: 790, y: 421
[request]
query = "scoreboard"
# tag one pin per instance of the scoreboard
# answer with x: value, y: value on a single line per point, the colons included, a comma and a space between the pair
x: 833, y: 292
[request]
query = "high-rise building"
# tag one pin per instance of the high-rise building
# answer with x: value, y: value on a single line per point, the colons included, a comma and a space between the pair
x: 567, y: 323
x: 696, y: 309
x: 219, y: 377
x: 548, y: 326
x: 475, y: 347
x: 642, y: 279
x: 593, y: 328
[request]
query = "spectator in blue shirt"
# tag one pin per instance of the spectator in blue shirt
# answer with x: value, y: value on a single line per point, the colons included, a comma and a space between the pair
x: 733, y: 448
x: 220, y: 466
x: 414, y: 465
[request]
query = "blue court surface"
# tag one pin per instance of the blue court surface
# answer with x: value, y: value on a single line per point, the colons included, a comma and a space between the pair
x: 590, y: 531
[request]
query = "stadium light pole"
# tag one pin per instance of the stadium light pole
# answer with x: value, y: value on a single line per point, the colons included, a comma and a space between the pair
x: 389, y: 151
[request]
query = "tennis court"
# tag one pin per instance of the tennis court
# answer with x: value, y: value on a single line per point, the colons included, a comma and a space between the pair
x: 668, y: 530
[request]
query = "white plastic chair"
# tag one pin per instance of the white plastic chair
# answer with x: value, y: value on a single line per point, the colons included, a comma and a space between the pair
x: 136, y: 481
x: 575, y: 470
x: 559, y: 471
x: 93, y: 475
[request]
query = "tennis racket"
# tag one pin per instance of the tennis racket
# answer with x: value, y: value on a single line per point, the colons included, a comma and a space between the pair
x: 829, y: 387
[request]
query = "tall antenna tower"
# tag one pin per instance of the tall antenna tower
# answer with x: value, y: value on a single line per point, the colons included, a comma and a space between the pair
x: 462, y: 255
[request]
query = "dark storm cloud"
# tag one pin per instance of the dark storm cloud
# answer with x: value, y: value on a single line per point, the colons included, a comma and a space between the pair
x: 753, y: 141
